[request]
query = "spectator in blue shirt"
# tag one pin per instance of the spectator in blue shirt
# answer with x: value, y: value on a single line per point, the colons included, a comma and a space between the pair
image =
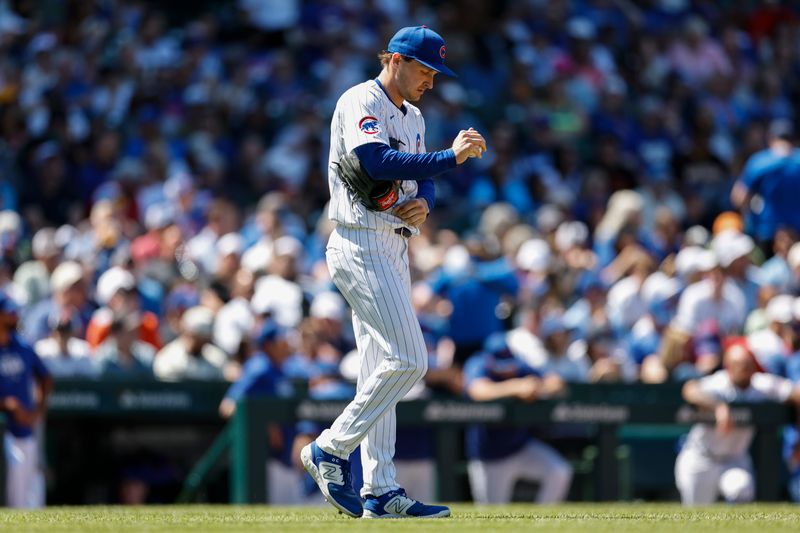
x: 498, y: 457
x: 475, y: 291
x: 21, y: 372
x: 770, y: 184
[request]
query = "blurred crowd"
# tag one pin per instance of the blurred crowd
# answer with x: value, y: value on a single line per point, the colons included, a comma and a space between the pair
x: 163, y: 186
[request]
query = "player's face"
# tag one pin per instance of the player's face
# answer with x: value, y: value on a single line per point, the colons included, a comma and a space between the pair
x: 278, y: 350
x: 740, y: 366
x: 413, y: 79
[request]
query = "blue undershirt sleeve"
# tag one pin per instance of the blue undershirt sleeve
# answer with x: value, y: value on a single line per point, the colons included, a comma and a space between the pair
x: 427, y: 189
x: 251, y: 371
x: 383, y: 163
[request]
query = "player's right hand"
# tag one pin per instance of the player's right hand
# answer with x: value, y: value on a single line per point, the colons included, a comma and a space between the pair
x: 19, y: 413
x: 722, y: 413
x: 468, y: 143
x: 413, y: 212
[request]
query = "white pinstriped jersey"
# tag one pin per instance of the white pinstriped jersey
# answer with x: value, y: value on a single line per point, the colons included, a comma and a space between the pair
x: 365, y: 114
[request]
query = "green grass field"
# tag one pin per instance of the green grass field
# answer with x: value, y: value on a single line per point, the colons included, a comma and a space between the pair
x: 573, y: 517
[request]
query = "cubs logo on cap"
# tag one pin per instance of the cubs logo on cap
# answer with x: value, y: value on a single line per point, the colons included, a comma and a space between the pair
x: 369, y: 125
x: 424, y: 45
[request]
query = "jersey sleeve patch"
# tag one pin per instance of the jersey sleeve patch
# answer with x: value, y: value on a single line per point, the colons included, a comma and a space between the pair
x: 369, y: 125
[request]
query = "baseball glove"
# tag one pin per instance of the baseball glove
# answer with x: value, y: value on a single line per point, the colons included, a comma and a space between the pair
x: 374, y: 195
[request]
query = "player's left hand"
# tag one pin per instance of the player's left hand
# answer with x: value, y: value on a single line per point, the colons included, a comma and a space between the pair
x: 226, y: 408
x: 413, y: 212
x: 20, y: 414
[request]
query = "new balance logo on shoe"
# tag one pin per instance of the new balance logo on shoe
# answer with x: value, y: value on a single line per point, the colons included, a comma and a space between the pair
x: 332, y: 473
x: 398, y: 505
x: 395, y: 504
x: 332, y: 476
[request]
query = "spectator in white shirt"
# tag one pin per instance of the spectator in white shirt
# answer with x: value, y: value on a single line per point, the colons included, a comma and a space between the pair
x: 222, y: 220
x: 64, y: 354
x: 229, y: 252
x: 191, y: 355
x: 714, y: 298
x: 235, y: 321
x: 733, y: 249
x: 524, y: 341
x: 773, y: 344
x: 571, y: 365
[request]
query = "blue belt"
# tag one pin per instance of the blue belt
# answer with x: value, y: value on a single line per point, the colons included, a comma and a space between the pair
x: 403, y: 231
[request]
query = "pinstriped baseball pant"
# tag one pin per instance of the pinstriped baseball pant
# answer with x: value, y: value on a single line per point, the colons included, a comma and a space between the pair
x: 371, y: 270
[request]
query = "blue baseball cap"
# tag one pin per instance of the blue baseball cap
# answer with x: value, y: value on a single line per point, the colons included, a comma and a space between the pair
x: 496, y: 345
x: 424, y: 45
x: 182, y: 297
x: 270, y: 331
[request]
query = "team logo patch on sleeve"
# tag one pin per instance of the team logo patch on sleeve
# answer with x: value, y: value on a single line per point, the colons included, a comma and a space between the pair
x: 369, y: 125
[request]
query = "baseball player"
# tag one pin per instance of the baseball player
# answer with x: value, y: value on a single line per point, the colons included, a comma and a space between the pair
x: 20, y: 370
x: 498, y: 457
x: 715, y: 459
x: 379, y: 177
